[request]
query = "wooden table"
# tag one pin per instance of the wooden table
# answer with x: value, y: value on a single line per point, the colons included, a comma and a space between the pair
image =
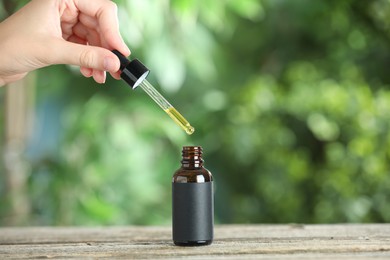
x: 350, y: 241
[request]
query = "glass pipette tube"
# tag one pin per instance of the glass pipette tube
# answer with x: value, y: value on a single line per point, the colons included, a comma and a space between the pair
x: 167, y: 107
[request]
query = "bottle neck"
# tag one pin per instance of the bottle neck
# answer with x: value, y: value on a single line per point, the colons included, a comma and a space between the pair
x: 192, y: 157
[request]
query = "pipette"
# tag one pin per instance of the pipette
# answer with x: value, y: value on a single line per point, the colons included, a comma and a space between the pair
x: 135, y: 73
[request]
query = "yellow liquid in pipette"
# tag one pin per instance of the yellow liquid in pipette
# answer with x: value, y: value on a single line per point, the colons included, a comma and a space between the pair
x: 180, y: 120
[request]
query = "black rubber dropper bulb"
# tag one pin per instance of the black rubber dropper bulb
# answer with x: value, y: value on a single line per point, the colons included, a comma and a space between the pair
x: 133, y: 72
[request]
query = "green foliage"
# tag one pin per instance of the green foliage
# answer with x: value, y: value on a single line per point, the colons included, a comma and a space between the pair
x: 289, y: 99
x: 108, y: 172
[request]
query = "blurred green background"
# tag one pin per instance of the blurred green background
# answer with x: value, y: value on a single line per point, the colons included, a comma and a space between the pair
x: 290, y: 101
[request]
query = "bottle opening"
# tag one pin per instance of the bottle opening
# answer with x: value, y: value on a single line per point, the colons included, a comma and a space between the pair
x: 192, y: 156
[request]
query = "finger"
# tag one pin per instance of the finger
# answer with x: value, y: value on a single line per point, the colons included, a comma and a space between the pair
x: 104, y: 43
x: 91, y: 36
x: 86, y: 72
x: 116, y: 75
x: 66, y: 29
x: 88, y: 21
x: 73, y: 38
x: 106, y: 13
x: 99, y: 76
x: 64, y: 52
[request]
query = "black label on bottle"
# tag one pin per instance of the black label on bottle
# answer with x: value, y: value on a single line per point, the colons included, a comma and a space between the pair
x: 192, y: 212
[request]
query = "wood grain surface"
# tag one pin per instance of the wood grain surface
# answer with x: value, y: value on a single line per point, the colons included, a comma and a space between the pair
x: 342, y: 241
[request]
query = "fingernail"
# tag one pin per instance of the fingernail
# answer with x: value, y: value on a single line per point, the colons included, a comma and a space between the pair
x: 110, y: 64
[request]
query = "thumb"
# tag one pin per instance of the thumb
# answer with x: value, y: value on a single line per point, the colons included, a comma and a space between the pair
x: 87, y: 56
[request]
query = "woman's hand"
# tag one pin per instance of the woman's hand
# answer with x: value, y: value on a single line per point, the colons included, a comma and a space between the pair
x: 76, y: 32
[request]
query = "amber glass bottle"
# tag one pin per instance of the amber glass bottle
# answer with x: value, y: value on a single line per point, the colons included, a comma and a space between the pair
x: 192, y: 201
